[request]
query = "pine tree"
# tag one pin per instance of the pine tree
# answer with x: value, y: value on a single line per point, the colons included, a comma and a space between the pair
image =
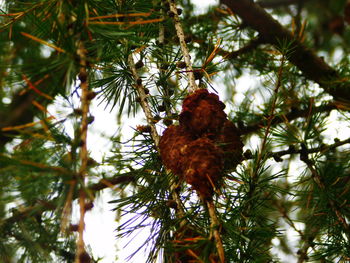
x: 184, y: 171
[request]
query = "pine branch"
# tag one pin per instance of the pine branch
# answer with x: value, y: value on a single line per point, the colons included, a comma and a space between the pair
x: 22, y: 213
x: 154, y: 134
x: 44, y: 206
x: 312, y: 66
x: 251, y: 45
x: 18, y: 112
x: 231, y: 55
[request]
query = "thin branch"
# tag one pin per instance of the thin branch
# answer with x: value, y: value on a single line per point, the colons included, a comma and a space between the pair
x: 108, y: 182
x: 322, y: 148
x: 269, y: 119
x: 278, y: 3
x: 183, y: 45
x: 214, y: 228
x: 143, y: 101
x: 45, y: 167
x: 312, y: 66
x: 85, y: 102
x: 294, y: 114
x: 154, y: 134
x: 284, y: 213
x: 251, y: 45
x: 319, y: 181
x: 302, y: 252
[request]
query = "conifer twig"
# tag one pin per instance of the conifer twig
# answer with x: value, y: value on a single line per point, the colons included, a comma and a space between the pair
x: 85, y: 101
x: 320, y: 182
x: 143, y: 101
x: 293, y: 114
x: 270, y: 118
x: 322, y: 148
x: 183, y: 45
x: 154, y: 134
x: 214, y: 228
x: 302, y: 252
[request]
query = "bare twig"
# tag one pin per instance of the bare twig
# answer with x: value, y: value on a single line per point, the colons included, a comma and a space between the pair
x: 183, y: 45
x: 85, y: 101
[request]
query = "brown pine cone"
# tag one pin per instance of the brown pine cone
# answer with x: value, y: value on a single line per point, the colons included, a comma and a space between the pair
x: 202, y: 164
x: 202, y: 112
x: 172, y: 145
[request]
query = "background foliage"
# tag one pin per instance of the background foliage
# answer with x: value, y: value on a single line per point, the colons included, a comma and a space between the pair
x: 126, y: 56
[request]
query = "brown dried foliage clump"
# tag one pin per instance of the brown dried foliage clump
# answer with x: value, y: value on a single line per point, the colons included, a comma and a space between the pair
x: 203, y: 145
